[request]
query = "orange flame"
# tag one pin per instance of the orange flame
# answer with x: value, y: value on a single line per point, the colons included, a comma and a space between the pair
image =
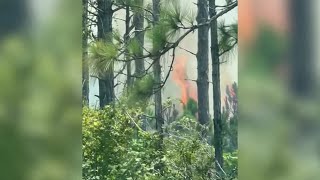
x: 179, y: 76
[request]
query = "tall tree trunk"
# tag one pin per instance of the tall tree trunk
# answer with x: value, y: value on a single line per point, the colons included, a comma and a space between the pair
x: 157, y: 75
x: 126, y: 40
x: 303, y: 84
x: 217, y: 121
x: 302, y: 55
x: 202, y: 59
x: 138, y: 21
x: 85, y: 67
x: 106, y: 79
x: 13, y: 17
x: 157, y: 86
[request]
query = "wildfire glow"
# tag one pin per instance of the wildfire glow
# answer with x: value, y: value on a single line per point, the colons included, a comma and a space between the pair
x: 252, y: 13
x: 179, y: 76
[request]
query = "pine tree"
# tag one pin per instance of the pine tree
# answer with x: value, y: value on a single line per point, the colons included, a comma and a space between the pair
x: 223, y: 41
x: 126, y: 41
x: 106, y: 77
x: 217, y: 121
x: 138, y: 22
x: 157, y: 74
x: 203, y: 63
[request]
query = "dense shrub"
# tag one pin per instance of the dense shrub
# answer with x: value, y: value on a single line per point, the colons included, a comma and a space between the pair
x: 115, y: 147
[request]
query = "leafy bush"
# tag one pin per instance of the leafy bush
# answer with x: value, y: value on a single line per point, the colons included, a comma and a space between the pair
x: 231, y: 164
x: 115, y: 147
x: 187, y: 156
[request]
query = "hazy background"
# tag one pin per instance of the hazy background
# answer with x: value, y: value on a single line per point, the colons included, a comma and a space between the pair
x: 229, y: 70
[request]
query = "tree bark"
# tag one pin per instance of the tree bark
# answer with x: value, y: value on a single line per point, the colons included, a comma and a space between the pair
x: 217, y: 121
x: 85, y: 67
x: 138, y: 21
x: 203, y: 59
x: 106, y: 79
x: 126, y: 40
x: 302, y: 81
x: 13, y: 17
x: 157, y: 76
x: 157, y: 89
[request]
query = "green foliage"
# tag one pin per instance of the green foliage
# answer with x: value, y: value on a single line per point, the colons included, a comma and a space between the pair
x: 138, y: 7
x: 230, y: 118
x: 102, y: 56
x: 231, y: 165
x: 172, y: 14
x: 109, y: 149
x: 191, y: 108
x: 114, y: 147
x: 267, y: 51
x: 228, y: 37
x: 134, y: 47
x: 187, y: 156
x: 158, y: 35
x: 172, y: 20
x: 230, y: 133
x: 140, y: 92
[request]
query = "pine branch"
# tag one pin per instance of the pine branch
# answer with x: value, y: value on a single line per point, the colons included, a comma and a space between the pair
x: 174, y: 45
x: 229, y: 49
x: 190, y: 29
x: 120, y: 72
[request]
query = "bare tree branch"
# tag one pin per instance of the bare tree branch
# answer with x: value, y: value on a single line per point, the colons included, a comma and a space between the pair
x: 171, y: 68
x: 187, y: 50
